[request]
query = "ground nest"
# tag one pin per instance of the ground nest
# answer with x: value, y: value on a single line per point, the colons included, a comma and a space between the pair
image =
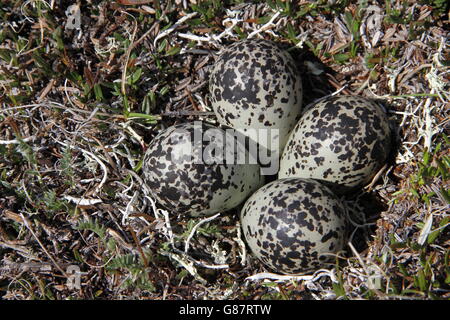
x: 84, y: 88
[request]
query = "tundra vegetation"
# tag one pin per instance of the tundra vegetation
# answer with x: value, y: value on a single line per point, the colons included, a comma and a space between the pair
x: 86, y: 85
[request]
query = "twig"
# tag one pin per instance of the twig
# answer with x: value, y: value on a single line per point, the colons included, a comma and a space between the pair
x: 127, y: 211
x: 426, y: 229
x: 27, y: 224
x: 172, y: 28
x: 82, y: 201
x: 281, y: 278
x: 127, y: 58
x: 139, y: 247
x: 266, y: 26
x: 22, y: 250
x: 376, y: 177
x: 152, y: 28
x: 52, y: 104
x: 16, y: 141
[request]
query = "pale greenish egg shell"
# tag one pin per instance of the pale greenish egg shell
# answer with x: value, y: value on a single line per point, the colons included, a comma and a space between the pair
x: 291, y: 224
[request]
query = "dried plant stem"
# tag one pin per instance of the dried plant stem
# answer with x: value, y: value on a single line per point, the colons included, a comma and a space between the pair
x: 127, y: 58
x: 27, y: 224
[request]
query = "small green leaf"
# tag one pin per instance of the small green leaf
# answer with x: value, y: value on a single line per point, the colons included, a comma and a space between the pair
x: 111, y: 244
x: 194, y: 22
x: 433, y: 235
x: 126, y: 106
x: 142, y: 115
x: 164, y: 90
x: 98, y: 92
x: 338, y: 289
x: 269, y: 284
x: 442, y: 169
x: 173, y: 51
x: 446, y: 139
x: 263, y: 20
x: 421, y: 280
x: 74, y: 76
x: 447, y: 279
x: 41, y: 62
x: 240, y: 33
x: 437, y: 148
x: 57, y: 36
x: 118, y: 37
x: 426, y: 157
x: 162, y: 46
x: 138, y: 165
x: 341, y: 57
x: 445, y: 194
x: 77, y: 255
x: 182, y: 274
x: 136, y: 75
x: 415, y: 193
x: 403, y: 270
x: 6, y: 54
x: 98, y: 293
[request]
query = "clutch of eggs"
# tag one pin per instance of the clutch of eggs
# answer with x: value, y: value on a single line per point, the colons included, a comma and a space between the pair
x: 186, y: 173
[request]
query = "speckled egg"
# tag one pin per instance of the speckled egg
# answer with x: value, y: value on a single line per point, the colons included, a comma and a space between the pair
x: 342, y: 141
x: 293, y: 225
x: 254, y: 84
x: 190, y: 170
